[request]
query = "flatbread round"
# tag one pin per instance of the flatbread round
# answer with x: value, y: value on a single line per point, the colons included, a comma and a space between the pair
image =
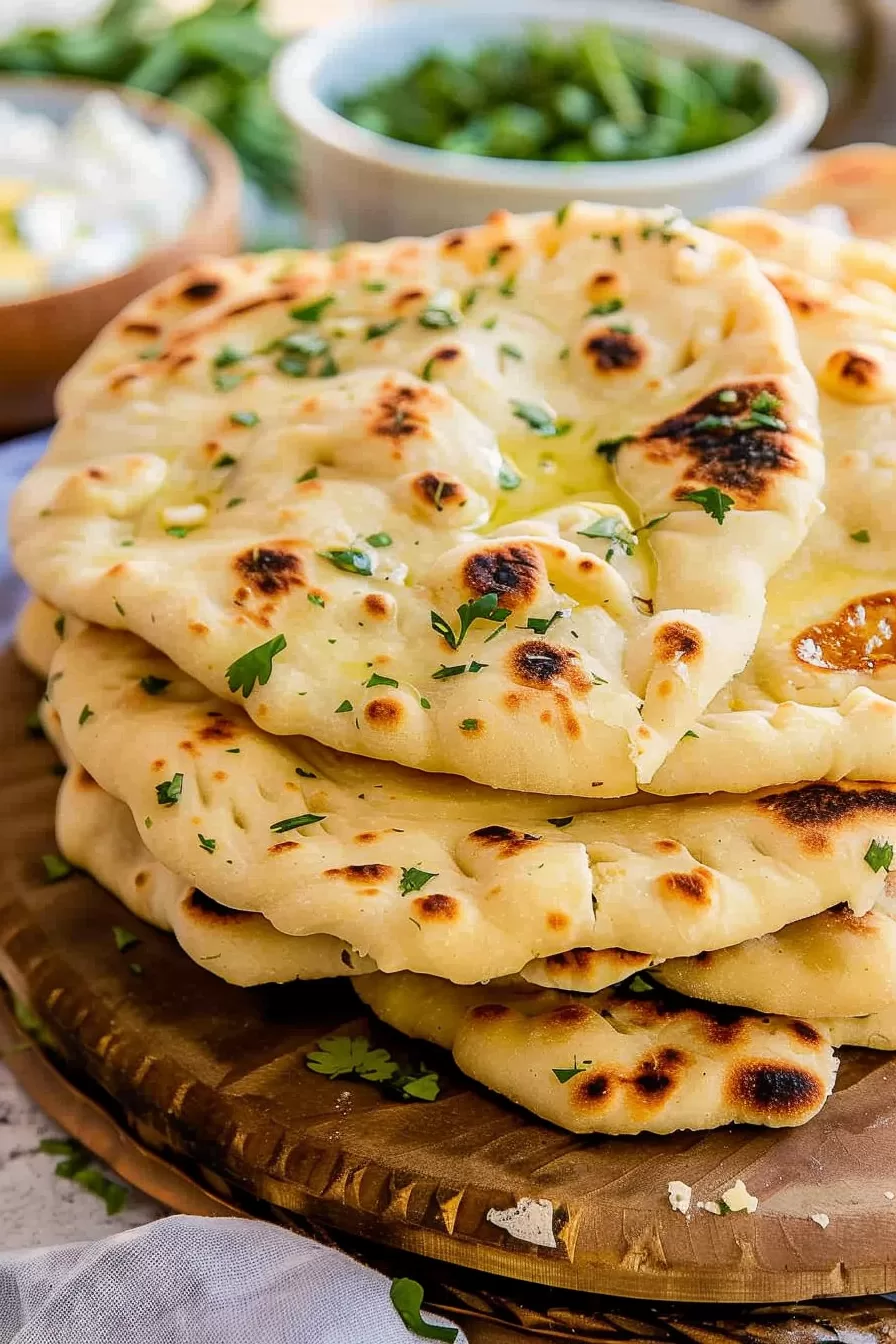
x: 837, y: 964
x: 874, y: 1031
x: 860, y: 179
x: 503, y: 502
x: 617, y: 1062
x: 433, y: 874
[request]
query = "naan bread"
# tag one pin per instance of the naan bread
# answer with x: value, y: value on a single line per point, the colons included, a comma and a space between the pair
x: 433, y: 874
x: 627, y: 1063
x: 876, y: 1031
x: 836, y: 964
x: 860, y: 179
x: 817, y: 698
x: 315, y: 479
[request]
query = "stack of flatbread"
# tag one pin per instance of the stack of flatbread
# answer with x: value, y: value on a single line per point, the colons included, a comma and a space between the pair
x: 507, y: 621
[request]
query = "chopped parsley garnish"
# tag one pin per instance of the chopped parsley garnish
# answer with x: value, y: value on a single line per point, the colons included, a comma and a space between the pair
x: 308, y: 475
x: 339, y: 1056
x: 352, y: 560
x: 508, y: 351
x: 248, y: 419
x: 406, y: 1296
x: 227, y: 355
x: 435, y: 318
x: 609, y: 448
x: 376, y: 680
x: 168, y: 793
x: 86, y: 713
x: 879, y: 856
x: 254, y: 666
x: 508, y: 476
x: 615, y: 530
x: 413, y: 879
x: 489, y: 324
x: 469, y: 725
x: 75, y: 1166
x: 605, y: 307
x: 150, y: 352
x: 55, y: 867
x: 863, y: 535
x: 305, y: 343
x: 154, y: 685
x: 616, y: 241
x: 373, y: 286
x: 231, y: 504
x: 765, y: 402
x: 378, y: 540
x: 484, y: 608
x: 180, y: 531
x: 345, y: 708
x: 559, y: 822
x: 690, y: 733
x: 542, y: 624
x: 295, y: 823
x: 426, y: 371
x: 316, y: 600
x: 424, y: 703
x: 540, y: 420
x: 207, y: 844
x: 712, y: 500
x: 226, y: 382
x: 714, y: 422
x: 379, y: 329
x: 727, y: 396
x: 312, y: 312
x: 638, y: 985
x: 445, y: 672
x: 560, y: 216
x: 508, y: 288
x: 124, y: 938
x: 225, y: 460
x: 469, y: 298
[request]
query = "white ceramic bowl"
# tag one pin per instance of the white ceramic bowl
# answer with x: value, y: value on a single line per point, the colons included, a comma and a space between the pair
x: 358, y: 184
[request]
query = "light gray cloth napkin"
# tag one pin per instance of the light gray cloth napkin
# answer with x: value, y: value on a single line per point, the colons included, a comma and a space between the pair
x: 182, y: 1280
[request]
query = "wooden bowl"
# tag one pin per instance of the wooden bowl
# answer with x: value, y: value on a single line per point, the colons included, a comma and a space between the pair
x: 41, y: 338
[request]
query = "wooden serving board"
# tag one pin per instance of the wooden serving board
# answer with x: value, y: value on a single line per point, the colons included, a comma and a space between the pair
x: 213, y: 1078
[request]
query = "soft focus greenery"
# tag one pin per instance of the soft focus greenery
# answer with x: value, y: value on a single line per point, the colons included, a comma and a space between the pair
x: 215, y: 63
x: 596, y: 97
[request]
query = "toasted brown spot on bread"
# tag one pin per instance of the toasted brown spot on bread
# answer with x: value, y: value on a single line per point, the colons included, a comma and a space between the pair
x: 852, y: 367
x: 200, y: 291
x: 513, y: 570
x: 775, y: 1091
x: 83, y: 780
x: 677, y: 642
x: 119, y: 380
x: 141, y: 878
x: 652, y: 1084
x: 738, y: 458
x: 158, y: 765
x: 142, y: 329
x: 538, y: 664
x: 384, y: 713
x: 197, y: 628
x: 283, y: 846
x: 804, y: 1031
x: 453, y: 240
x: 695, y: 886
x: 818, y: 808
x: 208, y: 911
x: 399, y: 412
x: 367, y: 838
x: 591, y: 1091
x: 437, y: 489
x: 667, y: 846
x: 860, y: 638
x: 437, y: 908
x: 505, y: 841
x: 583, y: 959
x: 378, y: 606
x: 615, y: 351
x: 489, y: 1012
x: 362, y: 872
x: 270, y: 570
x: 557, y: 919
x: 188, y: 747
x: 568, y: 1017
x: 219, y: 729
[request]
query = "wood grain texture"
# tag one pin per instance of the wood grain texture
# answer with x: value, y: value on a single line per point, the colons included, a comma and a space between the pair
x: 216, y: 1076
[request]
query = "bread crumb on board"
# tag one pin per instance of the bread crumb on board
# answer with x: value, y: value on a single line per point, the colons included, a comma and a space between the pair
x: 821, y: 1219
x: 737, y: 1199
x: 679, y: 1196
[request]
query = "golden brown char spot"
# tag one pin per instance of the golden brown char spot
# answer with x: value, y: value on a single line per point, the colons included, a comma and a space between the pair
x: 141, y: 879
x: 201, y: 290
x: 188, y: 747
x: 400, y: 412
x: 568, y: 1017
x: 119, y: 380
x: 779, y: 1091
x: 489, y: 1012
x: 677, y: 642
x: 221, y: 776
x: 860, y: 638
x: 219, y: 730
x: 537, y: 664
x: 178, y: 361
x: 362, y: 872
x: 367, y: 838
x: 615, y: 351
x: 95, y: 474
x: 158, y: 765
x: 83, y: 780
x: 436, y: 489
x: 283, y: 846
x: 715, y: 445
x: 513, y: 570
x: 377, y: 606
x: 384, y: 713
x: 695, y: 886
x: 204, y: 909
x: 453, y: 240
x: 197, y: 628
x: 819, y: 808
x: 591, y: 1091
x: 407, y: 296
x: 853, y: 367
x: 667, y: 846
x: 651, y: 1083
x: 504, y: 841
x: 557, y: 919
x: 583, y: 959
x: 804, y: 1031
x: 142, y: 329
x: 271, y: 570
x: 437, y: 908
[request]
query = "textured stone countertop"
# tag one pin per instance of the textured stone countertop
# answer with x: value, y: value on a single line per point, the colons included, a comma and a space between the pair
x: 37, y: 1207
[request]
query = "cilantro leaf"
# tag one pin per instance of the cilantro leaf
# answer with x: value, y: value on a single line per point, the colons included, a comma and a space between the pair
x: 338, y: 1055
x: 316, y: 600
x: 86, y: 713
x: 469, y: 725
x: 615, y: 530
x: 55, y: 867
x: 508, y: 476
x: 712, y: 501
x: 413, y: 879
x: 606, y: 307
x: 254, y: 666
x: 227, y: 355
x: 169, y: 791
x: 207, y: 844
x: 484, y: 608
x: 309, y: 475
x: 312, y: 312
x: 124, y: 938
x: 376, y: 680
x: 560, y: 215
x: 352, y: 560
x: 879, y: 856
x: 379, y: 539
x: 154, y: 685
x: 294, y: 823
x: 377, y: 330
x: 508, y: 351
x: 638, y: 985
x: 406, y: 1296
x: 539, y: 419
x: 436, y: 317
x: 863, y: 535
x: 226, y: 382
x: 542, y: 624
x: 248, y: 419
x: 345, y: 708
x: 422, y: 1087
x: 609, y: 448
